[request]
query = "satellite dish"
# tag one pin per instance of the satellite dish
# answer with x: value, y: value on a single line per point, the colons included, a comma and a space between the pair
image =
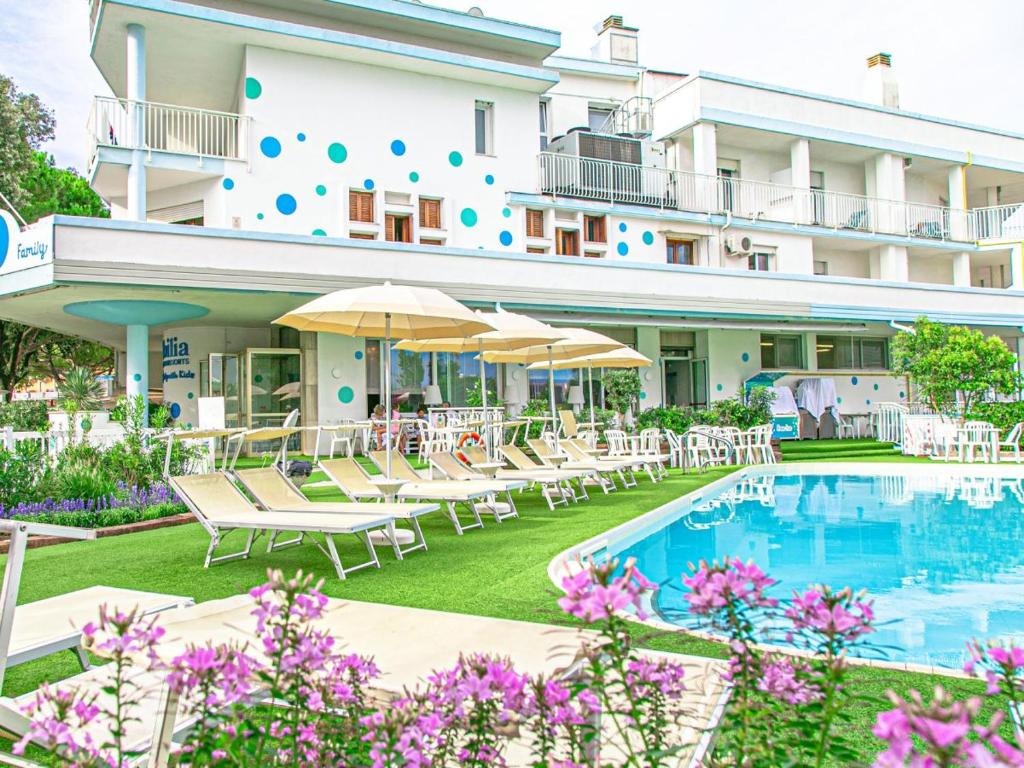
x: 476, y: 11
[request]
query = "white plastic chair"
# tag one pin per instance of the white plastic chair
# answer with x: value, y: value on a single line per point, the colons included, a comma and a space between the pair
x: 676, y: 449
x: 844, y: 428
x: 1012, y: 442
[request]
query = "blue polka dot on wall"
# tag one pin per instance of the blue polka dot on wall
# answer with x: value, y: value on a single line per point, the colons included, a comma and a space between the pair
x: 854, y: 380
x: 719, y: 387
x: 259, y: 216
x: 346, y: 395
x: 468, y: 217
x: 648, y: 238
x: 622, y: 249
x: 839, y: 400
x: 321, y: 190
x: 903, y: 394
x: 300, y: 136
x: 488, y: 179
x: 136, y: 377
x: 191, y: 395
x: 745, y: 357
x: 505, y: 237
x: 414, y: 177
x: 368, y: 184
x: 643, y: 395
x: 337, y: 153
x: 286, y: 204
x: 455, y: 158
x: 253, y: 88
x: 867, y: 402
x: 228, y: 183
x: 270, y: 146
x: 359, y: 354
x: 622, y: 226
x: 506, y: 212
x: 876, y: 387
x: 175, y: 410
x: 398, y: 147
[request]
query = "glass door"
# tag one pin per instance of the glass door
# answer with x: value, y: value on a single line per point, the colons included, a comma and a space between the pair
x: 678, y: 386
x: 699, y: 382
x: 273, y: 387
x: 225, y: 381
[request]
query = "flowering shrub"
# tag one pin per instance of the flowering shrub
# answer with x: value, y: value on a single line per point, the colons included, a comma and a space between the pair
x: 293, y: 699
x: 125, y: 505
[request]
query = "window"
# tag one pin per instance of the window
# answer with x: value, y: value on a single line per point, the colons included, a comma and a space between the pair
x: 567, y: 242
x: 594, y: 229
x: 596, y: 117
x: 545, y: 131
x: 360, y: 206
x: 534, y: 223
x: 593, y: 254
x: 679, y: 252
x: 362, y: 236
x: 759, y: 262
x: 852, y: 352
x: 430, y: 213
x: 431, y: 241
x: 820, y: 267
x: 536, y: 249
x: 483, y: 123
x: 398, y: 228
x: 779, y: 351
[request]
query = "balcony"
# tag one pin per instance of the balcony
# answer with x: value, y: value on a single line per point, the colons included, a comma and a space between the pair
x: 196, y: 133
x: 612, y: 182
x: 998, y: 222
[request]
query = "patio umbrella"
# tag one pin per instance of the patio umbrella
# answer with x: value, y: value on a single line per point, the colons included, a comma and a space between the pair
x: 289, y: 391
x: 511, y: 331
x: 617, y: 358
x: 380, y: 311
x: 578, y: 342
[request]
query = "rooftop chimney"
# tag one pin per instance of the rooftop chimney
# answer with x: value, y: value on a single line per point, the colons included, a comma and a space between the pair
x: 616, y: 42
x: 880, y: 86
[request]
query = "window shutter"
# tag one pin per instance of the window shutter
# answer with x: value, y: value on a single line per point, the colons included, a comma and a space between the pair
x: 360, y: 206
x: 389, y: 227
x: 430, y: 213
x: 534, y: 223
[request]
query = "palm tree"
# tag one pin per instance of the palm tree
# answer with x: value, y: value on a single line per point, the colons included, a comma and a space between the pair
x: 79, y: 391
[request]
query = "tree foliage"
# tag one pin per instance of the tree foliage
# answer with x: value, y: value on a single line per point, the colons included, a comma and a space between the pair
x: 34, y: 184
x: 621, y: 390
x: 25, y: 123
x: 953, y: 366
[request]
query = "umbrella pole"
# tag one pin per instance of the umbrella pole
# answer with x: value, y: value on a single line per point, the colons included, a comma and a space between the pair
x: 551, y: 391
x: 593, y: 408
x: 387, y: 395
x: 483, y: 396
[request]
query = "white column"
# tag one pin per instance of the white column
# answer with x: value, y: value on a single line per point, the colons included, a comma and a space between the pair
x: 648, y: 343
x: 800, y: 172
x: 957, y: 190
x: 991, y: 195
x: 705, y: 149
x: 137, y: 366
x: 962, y: 270
x: 893, y: 264
x: 136, y: 92
x: 1017, y: 267
x: 890, y: 187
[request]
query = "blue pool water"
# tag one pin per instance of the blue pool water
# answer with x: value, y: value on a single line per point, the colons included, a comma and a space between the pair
x: 943, y: 557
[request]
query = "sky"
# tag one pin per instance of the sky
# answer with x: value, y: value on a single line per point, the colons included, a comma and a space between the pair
x: 952, y: 59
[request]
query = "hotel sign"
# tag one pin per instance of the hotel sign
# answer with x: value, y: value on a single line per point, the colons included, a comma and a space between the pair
x: 19, y: 249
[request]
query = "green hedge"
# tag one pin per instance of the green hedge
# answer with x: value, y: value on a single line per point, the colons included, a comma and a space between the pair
x: 1002, y: 415
x: 24, y: 416
x: 106, y: 518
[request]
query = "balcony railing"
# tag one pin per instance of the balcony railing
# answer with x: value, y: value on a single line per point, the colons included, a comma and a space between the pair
x: 591, y: 179
x: 164, y: 128
x: 998, y: 222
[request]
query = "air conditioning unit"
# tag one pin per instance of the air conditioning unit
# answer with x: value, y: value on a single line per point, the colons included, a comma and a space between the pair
x: 739, y: 246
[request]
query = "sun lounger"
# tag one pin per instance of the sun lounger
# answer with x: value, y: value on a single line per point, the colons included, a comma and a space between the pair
x: 556, y: 484
x: 275, y: 492
x: 221, y: 508
x: 55, y: 623
x: 625, y: 468
x: 603, y: 475
x: 477, y: 496
x: 620, y: 449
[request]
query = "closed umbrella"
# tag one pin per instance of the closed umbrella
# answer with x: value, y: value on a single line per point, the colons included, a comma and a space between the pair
x: 511, y: 331
x: 383, y: 311
x: 577, y: 343
x: 617, y: 358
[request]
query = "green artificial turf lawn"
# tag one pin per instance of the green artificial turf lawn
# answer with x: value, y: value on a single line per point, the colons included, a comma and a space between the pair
x: 498, y: 571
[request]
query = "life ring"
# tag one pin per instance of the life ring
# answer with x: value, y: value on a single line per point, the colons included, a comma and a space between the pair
x: 467, y: 437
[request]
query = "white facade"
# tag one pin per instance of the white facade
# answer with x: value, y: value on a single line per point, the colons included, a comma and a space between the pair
x: 748, y: 217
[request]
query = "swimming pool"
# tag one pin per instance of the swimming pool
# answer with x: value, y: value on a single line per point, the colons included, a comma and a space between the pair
x: 940, y: 548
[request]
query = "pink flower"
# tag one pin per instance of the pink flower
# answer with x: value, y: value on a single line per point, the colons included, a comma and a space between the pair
x: 713, y: 587
x: 596, y: 592
x: 838, y: 616
x: 787, y: 682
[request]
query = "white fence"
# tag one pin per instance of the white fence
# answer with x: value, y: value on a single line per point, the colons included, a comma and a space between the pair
x: 998, y: 222
x: 165, y: 128
x: 614, y: 182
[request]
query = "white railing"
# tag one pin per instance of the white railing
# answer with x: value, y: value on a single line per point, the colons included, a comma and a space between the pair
x: 998, y: 222
x: 166, y: 128
x: 634, y: 116
x: 592, y: 179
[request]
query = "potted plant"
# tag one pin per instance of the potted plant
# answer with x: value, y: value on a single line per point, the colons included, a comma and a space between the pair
x: 79, y: 393
x: 621, y: 392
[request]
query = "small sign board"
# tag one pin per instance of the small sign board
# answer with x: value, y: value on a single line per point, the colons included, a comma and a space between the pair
x: 211, y: 413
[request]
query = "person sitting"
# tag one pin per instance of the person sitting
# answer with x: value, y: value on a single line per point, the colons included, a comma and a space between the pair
x: 379, y: 425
